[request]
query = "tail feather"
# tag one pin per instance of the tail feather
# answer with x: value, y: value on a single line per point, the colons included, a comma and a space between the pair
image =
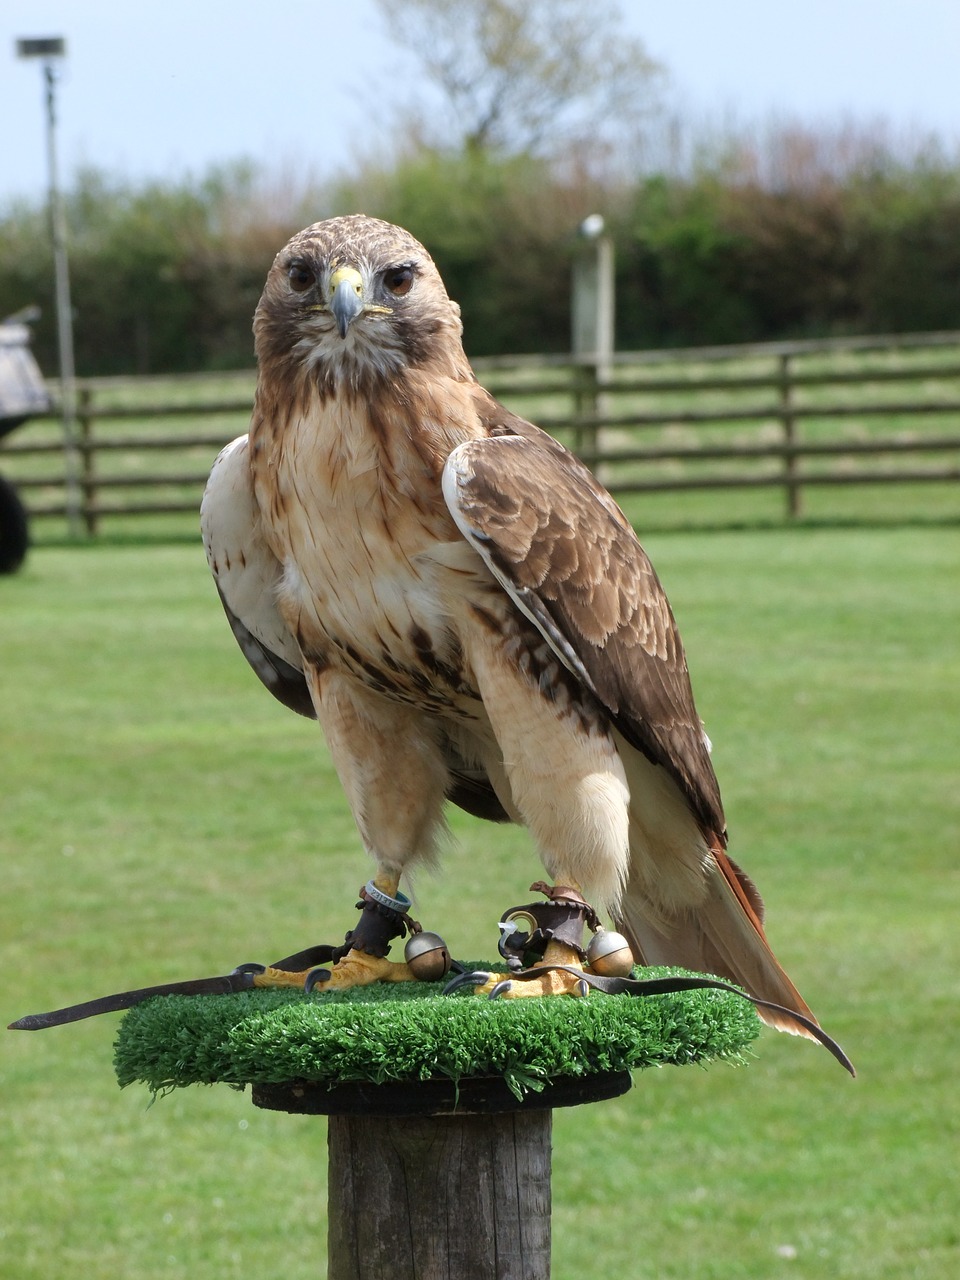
x: 691, y: 907
x: 722, y: 935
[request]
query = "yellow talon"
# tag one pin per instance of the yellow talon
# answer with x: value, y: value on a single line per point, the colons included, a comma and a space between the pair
x: 551, y: 983
x: 356, y: 969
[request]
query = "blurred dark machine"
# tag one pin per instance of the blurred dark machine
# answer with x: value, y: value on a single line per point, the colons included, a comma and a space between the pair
x: 22, y: 396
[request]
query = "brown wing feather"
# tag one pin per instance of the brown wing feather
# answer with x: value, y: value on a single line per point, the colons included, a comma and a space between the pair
x: 555, y: 537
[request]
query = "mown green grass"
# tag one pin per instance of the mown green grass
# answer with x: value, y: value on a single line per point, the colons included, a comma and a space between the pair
x: 164, y: 818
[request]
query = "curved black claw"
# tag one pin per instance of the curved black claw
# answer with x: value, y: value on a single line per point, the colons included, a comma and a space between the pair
x: 473, y: 978
x: 250, y: 966
x: 582, y: 988
x: 500, y: 989
x: 315, y: 978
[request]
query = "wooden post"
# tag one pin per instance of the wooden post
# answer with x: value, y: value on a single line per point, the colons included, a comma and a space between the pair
x: 438, y: 1181
x: 586, y: 406
x: 789, y: 424
x: 88, y: 484
x: 439, y: 1197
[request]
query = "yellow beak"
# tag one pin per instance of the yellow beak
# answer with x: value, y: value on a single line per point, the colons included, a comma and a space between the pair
x: 346, y: 297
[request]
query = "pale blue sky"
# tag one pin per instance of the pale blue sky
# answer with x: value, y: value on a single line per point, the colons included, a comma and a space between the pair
x: 159, y: 87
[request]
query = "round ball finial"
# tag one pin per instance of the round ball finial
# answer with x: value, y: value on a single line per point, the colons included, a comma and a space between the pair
x: 591, y: 228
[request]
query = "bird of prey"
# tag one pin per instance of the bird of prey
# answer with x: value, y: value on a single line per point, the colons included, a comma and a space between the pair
x: 469, y: 616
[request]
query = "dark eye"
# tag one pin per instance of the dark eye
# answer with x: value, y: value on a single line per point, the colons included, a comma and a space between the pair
x: 301, y: 278
x: 398, y: 280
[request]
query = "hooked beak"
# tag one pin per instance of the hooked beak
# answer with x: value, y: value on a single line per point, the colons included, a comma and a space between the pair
x: 346, y: 297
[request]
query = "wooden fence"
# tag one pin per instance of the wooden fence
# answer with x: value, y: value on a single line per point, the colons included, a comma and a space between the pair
x: 784, y: 416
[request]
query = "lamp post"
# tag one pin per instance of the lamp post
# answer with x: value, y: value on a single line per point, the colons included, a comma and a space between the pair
x: 48, y: 50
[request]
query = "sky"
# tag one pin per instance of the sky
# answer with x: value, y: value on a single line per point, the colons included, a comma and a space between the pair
x: 166, y: 88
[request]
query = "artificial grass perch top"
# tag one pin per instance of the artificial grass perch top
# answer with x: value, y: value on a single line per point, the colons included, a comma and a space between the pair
x: 408, y: 1032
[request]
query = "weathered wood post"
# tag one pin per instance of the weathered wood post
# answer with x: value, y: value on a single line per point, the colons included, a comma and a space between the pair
x: 444, y: 1198
x: 789, y: 423
x: 436, y: 1181
x: 88, y: 462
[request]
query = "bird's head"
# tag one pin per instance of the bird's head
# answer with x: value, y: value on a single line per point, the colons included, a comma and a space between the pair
x: 354, y: 300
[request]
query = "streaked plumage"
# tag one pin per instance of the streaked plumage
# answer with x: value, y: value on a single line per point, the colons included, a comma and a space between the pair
x: 465, y: 610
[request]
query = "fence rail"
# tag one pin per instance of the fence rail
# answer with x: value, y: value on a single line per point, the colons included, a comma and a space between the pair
x: 792, y: 416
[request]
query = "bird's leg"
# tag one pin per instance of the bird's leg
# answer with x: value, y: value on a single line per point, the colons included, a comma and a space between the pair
x: 398, y: 812
x: 383, y: 917
x: 362, y: 959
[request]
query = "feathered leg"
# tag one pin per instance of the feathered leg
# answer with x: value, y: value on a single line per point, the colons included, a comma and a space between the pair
x: 395, y: 779
x: 566, y: 784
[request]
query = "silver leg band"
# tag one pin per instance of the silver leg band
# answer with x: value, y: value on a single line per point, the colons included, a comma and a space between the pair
x: 400, y: 904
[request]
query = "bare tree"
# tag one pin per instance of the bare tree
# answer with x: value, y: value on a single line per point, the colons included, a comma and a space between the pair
x: 529, y: 75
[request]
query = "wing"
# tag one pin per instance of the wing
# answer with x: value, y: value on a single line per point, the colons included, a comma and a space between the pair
x: 566, y: 555
x: 562, y: 549
x: 247, y: 574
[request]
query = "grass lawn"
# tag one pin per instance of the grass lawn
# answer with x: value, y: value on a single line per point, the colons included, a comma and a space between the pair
x: 164, y: 818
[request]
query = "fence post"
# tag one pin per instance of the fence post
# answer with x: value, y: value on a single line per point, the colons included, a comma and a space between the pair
x: 88, y: 474
x: 789, y: 423
x: 586, y: 406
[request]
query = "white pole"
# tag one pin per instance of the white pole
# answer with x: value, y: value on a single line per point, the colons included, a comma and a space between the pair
x: 592, y: 322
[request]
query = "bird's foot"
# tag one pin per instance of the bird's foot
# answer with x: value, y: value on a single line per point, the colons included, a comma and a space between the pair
x: 362, y: 959
x: 559, y: 974
x: 549, y: 958
x: 355, y: 969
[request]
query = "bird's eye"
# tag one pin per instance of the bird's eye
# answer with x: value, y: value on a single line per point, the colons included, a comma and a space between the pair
x: 398, y: 280
x: 301, y: 278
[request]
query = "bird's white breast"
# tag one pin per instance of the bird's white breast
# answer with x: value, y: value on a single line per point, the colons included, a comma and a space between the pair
x: 362, y: 585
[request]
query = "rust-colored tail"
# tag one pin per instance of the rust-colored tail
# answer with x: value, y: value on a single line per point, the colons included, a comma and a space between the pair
x: 724, y: 935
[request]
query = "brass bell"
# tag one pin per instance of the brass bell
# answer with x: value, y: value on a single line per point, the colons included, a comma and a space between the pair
x: 609, y: 954
x: 427, y: 956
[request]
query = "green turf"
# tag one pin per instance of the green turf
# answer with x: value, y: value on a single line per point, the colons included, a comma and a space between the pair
x: 410, y: 1032
x: 163, y: 817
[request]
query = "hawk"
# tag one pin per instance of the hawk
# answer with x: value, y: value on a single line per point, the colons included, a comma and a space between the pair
x: 469, y: 616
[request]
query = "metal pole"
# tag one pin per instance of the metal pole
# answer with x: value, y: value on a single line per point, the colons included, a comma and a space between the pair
x: 68, y: 381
